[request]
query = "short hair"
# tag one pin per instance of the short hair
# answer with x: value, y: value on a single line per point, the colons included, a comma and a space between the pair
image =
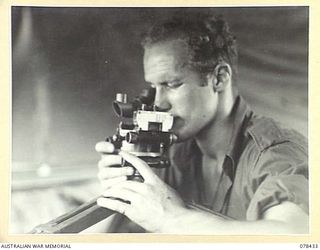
x: 208, y: 37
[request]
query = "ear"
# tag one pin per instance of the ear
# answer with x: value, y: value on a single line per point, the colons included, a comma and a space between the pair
x: 223, y: 74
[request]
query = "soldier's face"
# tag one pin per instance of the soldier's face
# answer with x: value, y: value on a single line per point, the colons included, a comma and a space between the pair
x: 180, y: 89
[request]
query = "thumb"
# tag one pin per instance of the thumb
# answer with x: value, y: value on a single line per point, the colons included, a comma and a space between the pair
x: 142, y: 167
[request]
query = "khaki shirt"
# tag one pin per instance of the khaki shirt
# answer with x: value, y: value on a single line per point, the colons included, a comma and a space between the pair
x: 266, y: 164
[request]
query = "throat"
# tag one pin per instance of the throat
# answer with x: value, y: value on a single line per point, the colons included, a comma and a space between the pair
x: 211, y: 174
x: 214, y: 139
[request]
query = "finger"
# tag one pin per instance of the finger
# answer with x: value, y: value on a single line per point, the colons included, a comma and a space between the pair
x: 111, y: 182
x: 115, y: 205
x: 112, y: 172
x: 105, y: 147
x: 109, y: 160
x: 124, y: 194
x: 142, y: 167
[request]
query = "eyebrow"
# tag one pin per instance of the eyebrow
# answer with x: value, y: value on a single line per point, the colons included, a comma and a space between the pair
x: 174, y: 79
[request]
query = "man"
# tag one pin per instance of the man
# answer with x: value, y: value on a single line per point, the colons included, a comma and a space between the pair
x: 232, y: 172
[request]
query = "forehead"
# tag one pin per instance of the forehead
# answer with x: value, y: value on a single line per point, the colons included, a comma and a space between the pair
x: 165, y: 58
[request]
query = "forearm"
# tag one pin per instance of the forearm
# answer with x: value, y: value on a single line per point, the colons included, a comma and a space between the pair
x: 192, y: 221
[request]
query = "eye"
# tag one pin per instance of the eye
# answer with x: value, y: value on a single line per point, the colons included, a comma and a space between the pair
x: 173, y: 84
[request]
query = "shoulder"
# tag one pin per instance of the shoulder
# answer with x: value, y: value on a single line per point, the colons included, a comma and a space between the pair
x: 272, y: 149
x: 265, y: 133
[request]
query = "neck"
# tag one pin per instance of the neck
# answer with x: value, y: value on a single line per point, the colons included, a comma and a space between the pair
x: 214, y: 139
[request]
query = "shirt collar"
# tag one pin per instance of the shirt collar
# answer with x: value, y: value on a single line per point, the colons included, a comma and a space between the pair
x: 241, y: 115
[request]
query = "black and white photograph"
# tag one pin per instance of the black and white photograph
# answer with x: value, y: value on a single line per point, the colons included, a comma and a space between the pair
x: 163, y: 120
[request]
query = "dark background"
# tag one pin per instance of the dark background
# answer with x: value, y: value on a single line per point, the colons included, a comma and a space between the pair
x: 68, y: 64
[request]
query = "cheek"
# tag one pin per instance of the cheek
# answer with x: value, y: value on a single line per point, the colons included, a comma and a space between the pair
x: 187, y: 98
x: 183, y: 104
x: 202, y: 107
x: 201, y: 100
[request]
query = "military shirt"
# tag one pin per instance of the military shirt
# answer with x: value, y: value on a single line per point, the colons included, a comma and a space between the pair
x: 265, y: 164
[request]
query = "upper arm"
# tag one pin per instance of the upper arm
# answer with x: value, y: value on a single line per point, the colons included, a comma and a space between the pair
x: 280, y: 175
x: 291, y: 215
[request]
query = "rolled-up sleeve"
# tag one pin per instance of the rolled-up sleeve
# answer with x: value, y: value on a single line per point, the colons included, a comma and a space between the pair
x: 280, y: 174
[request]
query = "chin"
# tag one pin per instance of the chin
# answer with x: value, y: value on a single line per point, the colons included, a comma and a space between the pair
x: 182, y: 134
x: 181, y: 130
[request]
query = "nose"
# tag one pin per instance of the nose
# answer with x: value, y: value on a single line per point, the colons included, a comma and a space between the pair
x: 161, y: 100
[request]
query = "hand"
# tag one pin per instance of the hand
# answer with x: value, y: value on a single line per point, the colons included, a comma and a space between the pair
x: 151, y: 204
x: 110, y: 171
